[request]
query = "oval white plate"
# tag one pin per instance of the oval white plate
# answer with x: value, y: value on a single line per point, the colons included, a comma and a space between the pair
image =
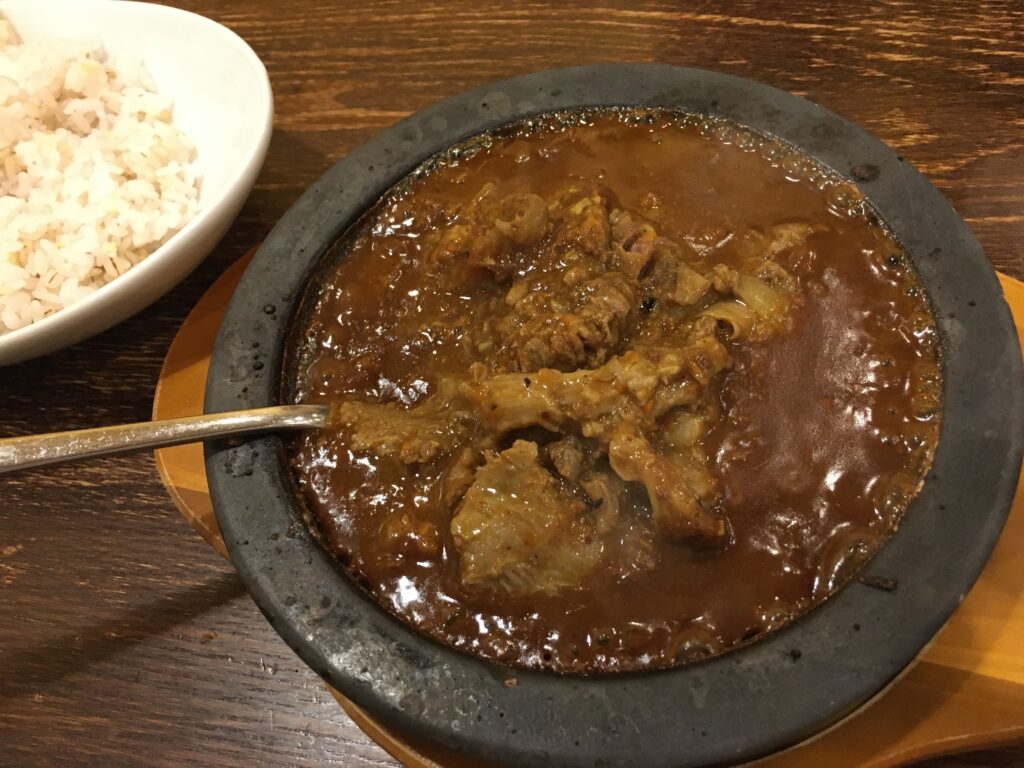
x: 222, y: 101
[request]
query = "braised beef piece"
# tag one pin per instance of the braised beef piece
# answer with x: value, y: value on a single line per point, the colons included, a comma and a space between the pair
x: 415, y: 436
x: 570, y: 329
x: 555, y: 355
x: 517, y: 529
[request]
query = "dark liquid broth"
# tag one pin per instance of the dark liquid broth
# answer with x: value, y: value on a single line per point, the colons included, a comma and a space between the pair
x: 825, y: 433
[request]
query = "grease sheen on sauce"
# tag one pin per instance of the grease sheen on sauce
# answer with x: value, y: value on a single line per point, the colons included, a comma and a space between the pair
x: 825, y: 436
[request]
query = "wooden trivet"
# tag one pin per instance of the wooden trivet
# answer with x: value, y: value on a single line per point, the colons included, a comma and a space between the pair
x: 966, y: 690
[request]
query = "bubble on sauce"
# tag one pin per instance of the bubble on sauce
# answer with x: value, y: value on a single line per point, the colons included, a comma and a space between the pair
x: 925, y: 382
x: 887, y: 261
x: 892, y: 495
x: 779, y: 613
x: 693, y: 642
x: 775, y: 152
x: 639, y: 639
x: 844, y: 199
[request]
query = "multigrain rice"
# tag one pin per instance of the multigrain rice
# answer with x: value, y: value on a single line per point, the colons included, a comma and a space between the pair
x: 93, y: 174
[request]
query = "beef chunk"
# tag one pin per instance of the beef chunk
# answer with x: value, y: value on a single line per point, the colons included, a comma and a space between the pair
x: 614, y: 404
x: 489, y: 249
x: 681, y: 490
x: 414, y: 436
x: 542, y: 332
x: 632, y: 387
x: 758, y: 244
x: 626, y: 227
x: 670, y: 277
x: 523, y: 219
x: 489, y: 233
x: 584, y: 226
x: 690, y: 287
x: 459, y: 476
x: 518, y: 531
x: 635, y: 242
x: 573, y: 310
x: 567, y: 457
x: 765, y: 301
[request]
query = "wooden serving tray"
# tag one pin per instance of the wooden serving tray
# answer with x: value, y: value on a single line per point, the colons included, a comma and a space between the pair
x: 965, y: 691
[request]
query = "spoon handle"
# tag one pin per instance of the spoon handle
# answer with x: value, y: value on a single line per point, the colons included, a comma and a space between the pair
x: 55, y: 447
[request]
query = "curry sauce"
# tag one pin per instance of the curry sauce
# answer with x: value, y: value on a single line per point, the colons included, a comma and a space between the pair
x: 614, y: 390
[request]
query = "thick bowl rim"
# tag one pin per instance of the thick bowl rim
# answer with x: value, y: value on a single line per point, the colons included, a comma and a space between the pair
x: 850, y: 647
x: 208, y: 211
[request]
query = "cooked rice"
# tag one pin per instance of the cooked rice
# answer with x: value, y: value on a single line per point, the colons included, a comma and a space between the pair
x: 93, y: 174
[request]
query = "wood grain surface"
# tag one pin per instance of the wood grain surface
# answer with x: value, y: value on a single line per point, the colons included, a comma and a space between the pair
x: 124, y: 639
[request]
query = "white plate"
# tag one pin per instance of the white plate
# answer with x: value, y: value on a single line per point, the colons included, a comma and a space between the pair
x: 222, y: 101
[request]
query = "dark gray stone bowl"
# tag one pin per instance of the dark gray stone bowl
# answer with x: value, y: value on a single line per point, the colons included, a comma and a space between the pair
x: 742, y: 705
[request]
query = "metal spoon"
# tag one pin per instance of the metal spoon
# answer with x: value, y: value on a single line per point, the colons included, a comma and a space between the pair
x: 56, y: 447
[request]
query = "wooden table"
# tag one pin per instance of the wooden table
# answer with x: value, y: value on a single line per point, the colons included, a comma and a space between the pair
x: 123, y: 638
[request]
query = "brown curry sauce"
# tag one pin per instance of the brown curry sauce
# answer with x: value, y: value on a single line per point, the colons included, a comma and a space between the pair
x: 822, y: 436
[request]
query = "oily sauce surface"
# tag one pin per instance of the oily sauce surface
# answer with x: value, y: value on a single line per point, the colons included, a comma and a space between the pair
x: 813, y: 434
